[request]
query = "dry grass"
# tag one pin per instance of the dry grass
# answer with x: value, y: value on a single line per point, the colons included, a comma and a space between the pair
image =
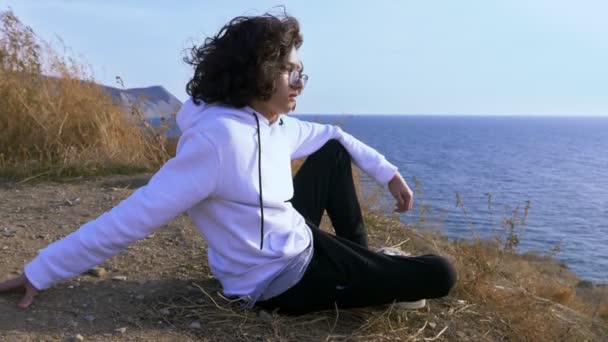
x: 56, y: 121
x: 534, y: 295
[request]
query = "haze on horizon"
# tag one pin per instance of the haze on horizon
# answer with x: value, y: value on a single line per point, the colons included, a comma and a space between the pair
x: 471, y: 57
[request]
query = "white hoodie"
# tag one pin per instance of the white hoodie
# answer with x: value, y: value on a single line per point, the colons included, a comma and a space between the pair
x: 214, y: 177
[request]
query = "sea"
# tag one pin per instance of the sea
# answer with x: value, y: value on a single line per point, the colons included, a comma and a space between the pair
x: 545, y: 179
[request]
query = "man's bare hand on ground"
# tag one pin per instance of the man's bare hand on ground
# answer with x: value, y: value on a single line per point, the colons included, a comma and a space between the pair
x: 402, y: 194
x: 20, y: 284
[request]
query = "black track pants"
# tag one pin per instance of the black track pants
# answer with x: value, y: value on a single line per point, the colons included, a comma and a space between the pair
x: 343, y: 271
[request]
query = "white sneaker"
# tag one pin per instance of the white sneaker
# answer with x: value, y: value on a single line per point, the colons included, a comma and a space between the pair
x: 393, y: 251
x: 418, y: 304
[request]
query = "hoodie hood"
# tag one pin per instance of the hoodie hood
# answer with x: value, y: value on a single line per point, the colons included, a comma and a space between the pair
x: 190, y: 113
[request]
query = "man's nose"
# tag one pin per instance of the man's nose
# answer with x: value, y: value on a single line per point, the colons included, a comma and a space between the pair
x: 298, y: 86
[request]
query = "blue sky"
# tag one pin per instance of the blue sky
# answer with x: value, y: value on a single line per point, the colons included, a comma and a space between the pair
x: 514, y: 57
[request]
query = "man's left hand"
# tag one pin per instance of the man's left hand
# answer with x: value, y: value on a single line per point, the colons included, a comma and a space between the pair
x: 402, y: 193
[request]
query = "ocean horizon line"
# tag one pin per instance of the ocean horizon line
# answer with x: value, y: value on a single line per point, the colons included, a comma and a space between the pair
x: 571, y: 116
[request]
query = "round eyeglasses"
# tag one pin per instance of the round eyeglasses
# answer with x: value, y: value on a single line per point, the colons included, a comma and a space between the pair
x: 296, y: 76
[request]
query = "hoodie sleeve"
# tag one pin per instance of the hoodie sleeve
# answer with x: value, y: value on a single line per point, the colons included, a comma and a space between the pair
x: 179, y: 184
x: 307, y: 137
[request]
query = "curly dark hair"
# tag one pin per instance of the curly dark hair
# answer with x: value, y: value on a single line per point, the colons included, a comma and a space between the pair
x: 242, y: 62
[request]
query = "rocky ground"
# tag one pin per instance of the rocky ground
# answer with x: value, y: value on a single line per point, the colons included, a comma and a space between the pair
x: 161, y: 289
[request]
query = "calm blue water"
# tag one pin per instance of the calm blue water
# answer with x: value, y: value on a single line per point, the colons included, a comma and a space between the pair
x: 560, y: 165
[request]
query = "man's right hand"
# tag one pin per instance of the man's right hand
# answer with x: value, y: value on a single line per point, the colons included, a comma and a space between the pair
x: 21, y: 284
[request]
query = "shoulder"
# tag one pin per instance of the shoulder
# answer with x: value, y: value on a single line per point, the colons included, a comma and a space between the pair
x: 290, y: 123
x: 289, y: 120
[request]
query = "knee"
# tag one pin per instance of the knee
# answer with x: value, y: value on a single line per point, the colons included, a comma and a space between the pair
x: 334, y: 149
x: 444, y: 276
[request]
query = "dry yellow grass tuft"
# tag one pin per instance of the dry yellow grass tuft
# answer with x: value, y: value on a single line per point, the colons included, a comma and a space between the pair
x: 55, y: 120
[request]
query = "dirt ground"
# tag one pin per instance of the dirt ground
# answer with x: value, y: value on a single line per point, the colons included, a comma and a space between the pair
x: 160, y: 288
x: 32, y: 216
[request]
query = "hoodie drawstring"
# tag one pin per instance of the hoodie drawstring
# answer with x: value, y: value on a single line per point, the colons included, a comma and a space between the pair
x: 257, y: 121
